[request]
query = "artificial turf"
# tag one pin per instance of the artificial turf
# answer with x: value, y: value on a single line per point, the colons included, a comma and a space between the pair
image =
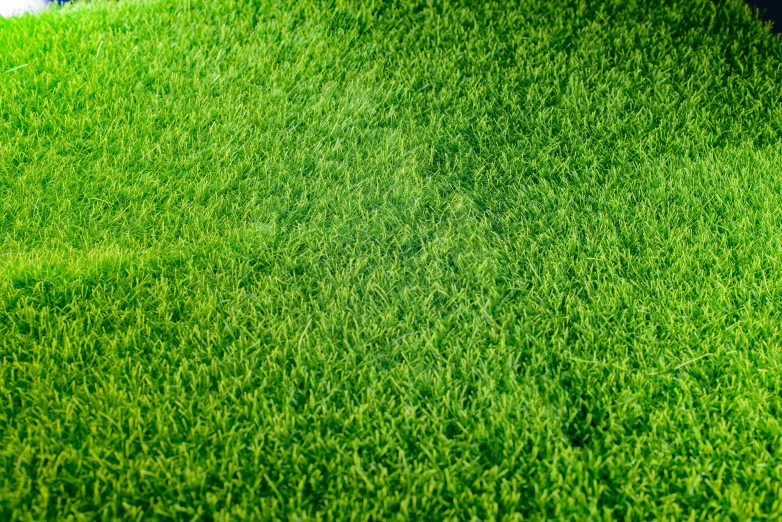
x: 322, y: 260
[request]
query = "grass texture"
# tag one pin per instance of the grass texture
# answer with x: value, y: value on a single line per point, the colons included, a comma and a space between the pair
x: 322, y: 260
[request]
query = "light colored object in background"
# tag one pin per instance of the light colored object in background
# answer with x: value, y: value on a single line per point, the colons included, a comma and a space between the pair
x: 17, y: 7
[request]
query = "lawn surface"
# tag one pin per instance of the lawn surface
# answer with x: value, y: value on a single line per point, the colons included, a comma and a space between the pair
x: 411, y: 261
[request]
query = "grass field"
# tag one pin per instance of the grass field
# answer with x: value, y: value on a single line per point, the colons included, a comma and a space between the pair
x: 406, y: 260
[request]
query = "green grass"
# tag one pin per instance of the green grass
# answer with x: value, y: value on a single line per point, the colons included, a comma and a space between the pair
x: 406, y: 261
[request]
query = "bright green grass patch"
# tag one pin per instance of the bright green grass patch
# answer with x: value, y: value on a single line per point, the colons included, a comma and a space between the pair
x: 316, y: 261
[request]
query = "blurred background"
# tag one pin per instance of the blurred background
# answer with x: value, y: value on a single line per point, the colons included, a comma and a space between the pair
x: 17, y: 7
x: 770, y: 10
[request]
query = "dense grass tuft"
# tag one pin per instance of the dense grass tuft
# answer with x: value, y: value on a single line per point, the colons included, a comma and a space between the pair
x: 324, y: 260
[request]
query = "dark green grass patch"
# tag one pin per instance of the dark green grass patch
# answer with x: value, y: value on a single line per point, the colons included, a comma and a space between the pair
x: 411, y: 261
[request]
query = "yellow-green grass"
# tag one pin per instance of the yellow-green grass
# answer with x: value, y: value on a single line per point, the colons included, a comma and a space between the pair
x: 323, y: 260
